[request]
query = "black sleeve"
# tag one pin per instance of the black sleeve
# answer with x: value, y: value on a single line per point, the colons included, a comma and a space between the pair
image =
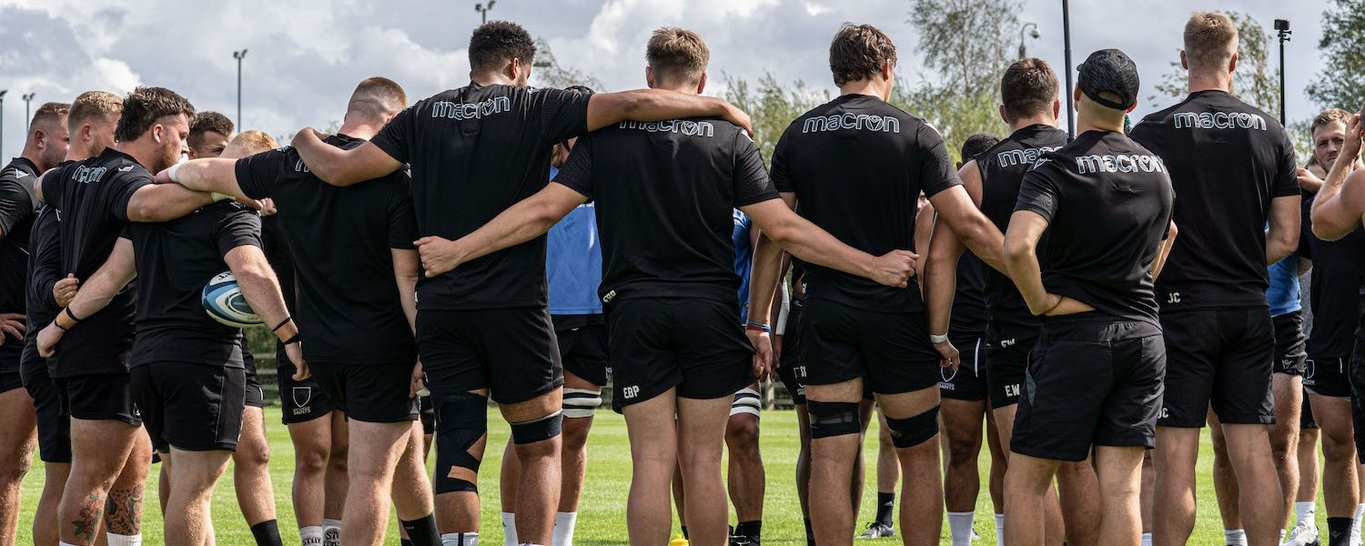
x: 576, y: 173
x: 402, y: 216
x: 1287, y: 172
x: 16, y: 203
x: 45, y: 243
x: 779, y: 171
x: 122, y: 186
x: 239, y: 226
x: 396, y: 137
x: 52, y: 187
x: 563, y: 114
x: 258, y: 174
x: 936, y: 165
x: 1038, y: 193
x: 750, y: 177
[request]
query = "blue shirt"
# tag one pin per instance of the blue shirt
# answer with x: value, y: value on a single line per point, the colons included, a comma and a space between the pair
x: 573, y: 262
x: 744, y: 257
x: 1283, y: 293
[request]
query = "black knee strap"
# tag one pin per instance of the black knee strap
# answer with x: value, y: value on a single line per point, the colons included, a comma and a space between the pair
x: 530, y: 432
x: 461, y: 433
x: 828, y: 419
x: 913, y: 431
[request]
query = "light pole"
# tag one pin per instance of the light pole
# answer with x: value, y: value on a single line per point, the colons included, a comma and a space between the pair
x: 2, y: 121
x: 483, y: 10
x: 1282, y: 26
x: 28, y: 99
x: 239, y: 55
x: 1031, y: 31
x: 1066, y: 36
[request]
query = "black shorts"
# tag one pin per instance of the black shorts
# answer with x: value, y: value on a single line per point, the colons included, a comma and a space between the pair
x: 890, y: 351
x: 583, y: 346
x: 372, y: 393
x: 300, y: 401
x: 11, y: 361
x: 1091, y: 382
x: 10, y: 380
x: 512, y: 352
x: 968, y: 381
x: 1327, y: 376
x: 255, y: 395
x: 1306, y: 420
x: 189, y: 406
x: 1356, y: 371
x: 789, y: 368
x: 695, y: 345
x: 427, y: 413
x: 1007, y: 362
x: 54, y: 428
x: 98, y: 397
x: 1218, y: 358
x: 1290, y: 344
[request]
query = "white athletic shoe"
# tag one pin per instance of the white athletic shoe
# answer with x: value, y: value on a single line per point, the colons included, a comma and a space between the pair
x: 1303, y: 534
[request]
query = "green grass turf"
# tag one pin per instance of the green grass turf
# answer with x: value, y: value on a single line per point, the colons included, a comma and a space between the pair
x: 601, y: 518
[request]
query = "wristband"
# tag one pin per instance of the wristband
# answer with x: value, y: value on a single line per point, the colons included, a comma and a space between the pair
x: 220, y: 196
x: 937, y: 339
x: 60, y: 327
x: 291, y: 340
x: 758, y: 327
x: 69, y: 314
x: 170, y: 173
x: 281, y: 324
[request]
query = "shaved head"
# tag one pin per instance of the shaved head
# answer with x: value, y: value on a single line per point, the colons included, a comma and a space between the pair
x: 377, y: 99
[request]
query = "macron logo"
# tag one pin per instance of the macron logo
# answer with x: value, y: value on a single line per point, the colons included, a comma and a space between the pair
x: 1027, y: 156
x: 1219, y: 120
x: 682, y: 127
x: 470, y: 110
x: 849, y: 120
x: 86, y: 175
x: 1089, y: 164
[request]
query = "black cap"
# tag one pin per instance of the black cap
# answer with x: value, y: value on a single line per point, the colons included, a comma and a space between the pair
x: 1109, y: 70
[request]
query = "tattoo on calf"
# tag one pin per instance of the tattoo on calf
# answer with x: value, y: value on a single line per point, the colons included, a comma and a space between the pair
x: 89, y: 522
x: 125, y: 511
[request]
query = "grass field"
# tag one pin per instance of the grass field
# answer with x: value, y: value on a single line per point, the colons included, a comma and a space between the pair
x: 602, y: 514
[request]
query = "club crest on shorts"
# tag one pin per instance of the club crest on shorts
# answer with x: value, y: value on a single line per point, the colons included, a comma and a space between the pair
x: 302, y: 397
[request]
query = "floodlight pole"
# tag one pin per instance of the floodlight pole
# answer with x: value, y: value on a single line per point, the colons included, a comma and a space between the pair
x: 239, y: 55
x: 1282, y: 26
x: 1070, y: 107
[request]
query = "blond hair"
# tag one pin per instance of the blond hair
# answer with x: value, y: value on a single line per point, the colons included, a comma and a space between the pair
x: 677, y: 54
x: 1210, y: 41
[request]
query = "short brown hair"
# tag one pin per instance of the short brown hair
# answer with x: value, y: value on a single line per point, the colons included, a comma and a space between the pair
x: 204, y: 122
x: 677, y: 54
x: 858, y: 53
x: 378, y: 96
x: 1028, y: 87
x: 250, y: 143
x: 50, y: 112
x: 92, y: 104
x: 144, y: 106
x: 497, y: 43
x: 1210, y: 40
x: 1328, y: 117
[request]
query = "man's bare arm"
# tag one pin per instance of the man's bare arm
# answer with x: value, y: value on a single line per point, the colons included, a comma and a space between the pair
x: 118, y: 270
x: 405, y: 267
x: 814, y: 245
x: 1021, y: 260
x: 526, y: 220
x: 606, y: 109
x: 1283, y: 236
x: 940, y: 277
x: 1165, y: 251
x: 208, y: 175
x: 340, y: 167
x: 956, y: 209
x: 766, y: 270
x: 164, y: 202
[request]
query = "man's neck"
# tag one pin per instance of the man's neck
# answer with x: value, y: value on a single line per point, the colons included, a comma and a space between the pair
x: 486, y: 79
x: 1088, y: 123
x: 363, y: 131
x: 1210, y: 81
x: 679, y: 88
x: 870, y: 87
x: 32, y: 155
x: 141, y: 152
x: 1040, y: 119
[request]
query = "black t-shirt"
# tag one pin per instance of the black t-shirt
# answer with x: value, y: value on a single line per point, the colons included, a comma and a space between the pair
x: 857, y: 166
x: 1227, y: 161
x: 93, y: 196
x: 969, y: 302
x: 665, y: 196
x: 44, y: 267
x: 175, y: 260
x: 474, y: 152
x: 17, y: 205
x: 1002, y: 171
x: 1337, y: 289
x: 1108, y: 203
x: 340, y: 241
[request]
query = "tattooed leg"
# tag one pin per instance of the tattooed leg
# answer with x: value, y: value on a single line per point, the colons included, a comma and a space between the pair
x: 17, y: 440
x: 123, y: 514
x: 99, y: 451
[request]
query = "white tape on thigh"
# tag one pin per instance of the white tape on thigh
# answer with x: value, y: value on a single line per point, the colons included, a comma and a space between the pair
x: 581, y: 403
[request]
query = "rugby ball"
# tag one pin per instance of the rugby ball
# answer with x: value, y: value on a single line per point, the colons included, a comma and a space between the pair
x: 224, y: 302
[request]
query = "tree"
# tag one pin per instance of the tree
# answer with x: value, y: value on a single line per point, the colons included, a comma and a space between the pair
x: 772, y: 106
x: 1254, y: 81
x: 1339, y: 85
x: 547, y: 72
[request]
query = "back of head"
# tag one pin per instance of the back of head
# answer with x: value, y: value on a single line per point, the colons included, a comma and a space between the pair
x: 1028, y: 88
x: 144, y: 106
x: 1210, y: 41
x: 93, y: 107
x: 977, y: 144
x: 204, y: 122
x: 858, y: 52
x: 49, y: 115
x: 377, y: 99
x: 495, y: 44
x: 249, y: 143
x: 677, y: 56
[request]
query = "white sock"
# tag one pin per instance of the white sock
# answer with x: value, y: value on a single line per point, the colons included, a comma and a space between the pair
x: 960, y: 527
x: 460, y: 539
x: 1235, y: 537
x: 1304, y: 512
x: 1146, y: 539
x: 562, y: 535
x: 125, y: 540
x: 1355, y: 524
x: 311, y: 536
x: 999, y: 530
x: 331, y: 532
x: 509, y: 529
x: 1282, y: 531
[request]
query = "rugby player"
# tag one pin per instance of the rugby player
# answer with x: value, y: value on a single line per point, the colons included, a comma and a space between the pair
x: 854, y: 332
x: 1105, y: 203
x: 357, y: 272
x: 484, y: 329
x: 44, y: 147
x: 1233, y: 169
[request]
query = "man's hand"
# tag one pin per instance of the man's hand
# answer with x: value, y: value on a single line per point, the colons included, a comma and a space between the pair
x: 894, y: 268
x: 763, y: 353
x: 298, y: 137
x: 65, y: 290
x: 295, y: 353
x: 267, y: 207
x: 951, y: 357
x: 418, y: 385
x: 12, y: 324
x: 739, y: 117
x: 48, y: 339
x: 1309, y: 181
x: 777, y: 350
x: 438, y: 255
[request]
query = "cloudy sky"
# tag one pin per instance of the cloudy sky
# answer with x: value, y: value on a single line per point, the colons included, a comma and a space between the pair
x: 305, y: 57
